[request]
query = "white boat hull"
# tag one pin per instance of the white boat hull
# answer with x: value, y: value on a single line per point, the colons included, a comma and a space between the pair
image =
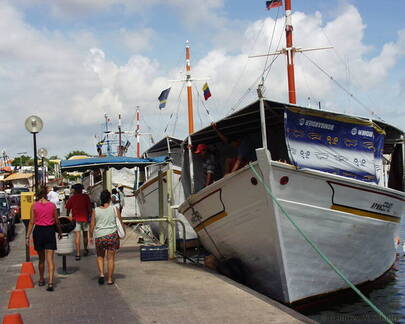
x: 235, y: 218
x: 147, y: 197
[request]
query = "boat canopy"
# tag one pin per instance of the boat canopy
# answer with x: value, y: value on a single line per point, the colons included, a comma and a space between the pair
x: 247, y: 120
x: 163, y: 143
x: 116, y: 162
x: 347, y: 145
x: 167, y: 146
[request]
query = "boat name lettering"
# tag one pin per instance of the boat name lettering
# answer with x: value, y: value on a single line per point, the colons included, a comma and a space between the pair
x: 366, y: 133
x: 386, y: 206
x: 313, y: 123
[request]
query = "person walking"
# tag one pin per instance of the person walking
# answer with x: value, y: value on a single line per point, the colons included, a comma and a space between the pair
x: 53, y: 197
x: 103, y: 228
x: 81, y: 207
x: 115, y: 198
x: 42, y: 223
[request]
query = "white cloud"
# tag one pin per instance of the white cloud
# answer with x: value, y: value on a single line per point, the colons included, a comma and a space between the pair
x: 69, y: 81
x: 138, y: 40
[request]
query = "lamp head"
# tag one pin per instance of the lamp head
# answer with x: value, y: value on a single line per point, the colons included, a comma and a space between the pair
x: 33, y: 124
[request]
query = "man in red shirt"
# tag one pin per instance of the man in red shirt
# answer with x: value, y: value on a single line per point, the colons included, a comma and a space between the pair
x: 80, y: 205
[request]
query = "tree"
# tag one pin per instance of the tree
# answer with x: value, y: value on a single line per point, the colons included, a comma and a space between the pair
x: 22, y: 160
x: 75, y: 153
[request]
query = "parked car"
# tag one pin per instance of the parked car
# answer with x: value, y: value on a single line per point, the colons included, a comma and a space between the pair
x: 4, y: 242
x: 8, y: 215
x: 18, y: 190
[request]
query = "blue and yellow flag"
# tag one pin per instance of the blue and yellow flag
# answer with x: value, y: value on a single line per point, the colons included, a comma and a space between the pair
x: 206, y: 90
x: 163, y: 98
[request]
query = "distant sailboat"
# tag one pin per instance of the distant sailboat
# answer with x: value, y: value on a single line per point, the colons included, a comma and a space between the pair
x: 325, y: 170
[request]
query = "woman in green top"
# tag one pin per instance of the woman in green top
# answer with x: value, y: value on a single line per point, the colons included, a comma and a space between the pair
x: 103, y: 228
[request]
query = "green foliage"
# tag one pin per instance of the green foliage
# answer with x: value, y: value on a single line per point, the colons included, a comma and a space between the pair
x: 22, y: 160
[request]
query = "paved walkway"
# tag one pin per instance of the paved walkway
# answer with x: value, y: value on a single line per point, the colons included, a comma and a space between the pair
x: 144, y: 292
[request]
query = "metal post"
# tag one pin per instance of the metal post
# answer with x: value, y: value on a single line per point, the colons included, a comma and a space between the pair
x: 190, y: 163
x: 35, y: 165
x: 262, y: 116
x: 27, y: 246
x: 64, y: 263
x: 43, y: 173
x: 171, y: 230
x: 161, y: 208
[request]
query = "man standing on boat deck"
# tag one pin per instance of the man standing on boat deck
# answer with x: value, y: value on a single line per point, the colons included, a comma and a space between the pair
x: 210, y: 166
x: 80, y: 205
x: 244, y: 151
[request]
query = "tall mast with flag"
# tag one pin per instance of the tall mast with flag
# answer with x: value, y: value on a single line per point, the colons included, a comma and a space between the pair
x: 289, y: 50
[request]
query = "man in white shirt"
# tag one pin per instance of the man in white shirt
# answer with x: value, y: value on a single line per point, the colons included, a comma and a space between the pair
x: 121, y: 196
x: 53, y: 197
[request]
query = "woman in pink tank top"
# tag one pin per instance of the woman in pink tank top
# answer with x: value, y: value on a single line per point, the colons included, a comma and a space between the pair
x: 42, y: 223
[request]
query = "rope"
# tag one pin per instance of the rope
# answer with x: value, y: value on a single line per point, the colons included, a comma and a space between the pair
x: 343, y: 88
x: 315, y: 247
x: 269, y: 48
x: 203, y: 104
x: 242, y: 71
x: 178, y: 108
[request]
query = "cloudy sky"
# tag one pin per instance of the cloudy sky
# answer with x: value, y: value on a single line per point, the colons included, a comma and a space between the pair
x: 72, y: 61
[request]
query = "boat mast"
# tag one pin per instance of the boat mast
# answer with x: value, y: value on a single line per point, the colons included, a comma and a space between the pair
x: 107, y: 132
x: 189, y: 91
x: 290, y: 51
x: 137, y: 134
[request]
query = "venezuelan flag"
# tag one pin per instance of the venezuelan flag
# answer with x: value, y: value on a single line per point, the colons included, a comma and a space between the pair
x: 206, y: 90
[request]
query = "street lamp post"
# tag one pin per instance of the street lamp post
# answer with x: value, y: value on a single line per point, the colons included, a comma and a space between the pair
x: 43, y: 153
x: 34, y: 125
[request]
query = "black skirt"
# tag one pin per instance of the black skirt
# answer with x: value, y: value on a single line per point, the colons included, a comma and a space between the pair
x: 44, y: 237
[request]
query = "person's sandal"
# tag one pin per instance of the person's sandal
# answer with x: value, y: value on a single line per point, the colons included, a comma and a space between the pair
x: 41, y: 283
x: 86, y: 252
x: 77, y: 258
x: 101, y: 280
x: 50, y: 287
x: 110, y: 283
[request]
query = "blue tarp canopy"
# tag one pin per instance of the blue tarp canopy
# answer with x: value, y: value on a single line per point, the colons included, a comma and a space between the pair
x: 116, y: 162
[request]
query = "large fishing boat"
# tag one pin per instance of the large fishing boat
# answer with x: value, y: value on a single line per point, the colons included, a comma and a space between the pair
x: 339, y: 178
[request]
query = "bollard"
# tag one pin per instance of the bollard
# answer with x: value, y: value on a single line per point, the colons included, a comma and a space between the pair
x: 12, y: 319
x: 27, y: 267
x: 18, y: 299
x: 24, y: 281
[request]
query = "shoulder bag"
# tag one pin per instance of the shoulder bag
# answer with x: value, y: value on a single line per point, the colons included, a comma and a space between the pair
x: 120, y: 228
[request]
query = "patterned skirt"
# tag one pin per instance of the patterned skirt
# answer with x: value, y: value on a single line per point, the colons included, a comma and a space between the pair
x: 108, y: 242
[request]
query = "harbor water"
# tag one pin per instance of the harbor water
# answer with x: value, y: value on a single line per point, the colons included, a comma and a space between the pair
x: 387, y: 293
